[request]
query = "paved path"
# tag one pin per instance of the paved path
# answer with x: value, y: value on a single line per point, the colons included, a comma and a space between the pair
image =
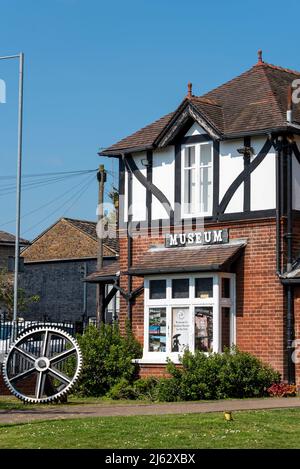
x: 109, y: 410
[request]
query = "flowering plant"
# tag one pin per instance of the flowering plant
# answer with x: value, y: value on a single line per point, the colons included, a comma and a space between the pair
x: 282, y: 390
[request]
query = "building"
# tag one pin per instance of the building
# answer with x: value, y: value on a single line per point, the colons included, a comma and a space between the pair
x: 7, y: 256
x: 7, y: 249
x: 55, y: 266
x: 210, y: 224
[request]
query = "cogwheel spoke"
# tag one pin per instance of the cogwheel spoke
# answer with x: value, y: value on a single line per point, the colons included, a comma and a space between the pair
x: 23, y: 375
x: 46, y: 342
x: 59, y: 375
x: 62, y: 356
x: 40, y: 384
x: 28, y: 355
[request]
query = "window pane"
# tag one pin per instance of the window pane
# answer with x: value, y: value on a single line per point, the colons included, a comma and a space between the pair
x: 189, y: 190
x: 205, y: 189
x: 204, y: 287
x: 225, y: 328
x: 180, y: 288
x: 225, y: 287
x: 205, y: 155
x: 180, y: 329
x: 189, y: 157
x: 157, y: 289
x: 204, y: 329
x: 157, y: 329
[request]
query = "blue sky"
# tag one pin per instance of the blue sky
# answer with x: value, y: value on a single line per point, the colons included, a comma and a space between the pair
x: 95, y: 71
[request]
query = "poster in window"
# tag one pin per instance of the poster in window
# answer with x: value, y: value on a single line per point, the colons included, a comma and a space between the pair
x: 204, y: 329
x: 180, y: 329
x: 157, y: 329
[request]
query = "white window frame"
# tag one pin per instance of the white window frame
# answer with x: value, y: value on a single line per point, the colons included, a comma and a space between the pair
x: 198, y: 167
x: 216, y: 302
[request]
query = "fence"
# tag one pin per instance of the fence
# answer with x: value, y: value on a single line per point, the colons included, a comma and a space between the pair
x: 7, y: 330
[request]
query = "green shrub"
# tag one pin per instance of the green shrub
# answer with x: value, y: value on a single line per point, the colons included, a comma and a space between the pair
x: 167, y: 390
x: 121, y: 390
x: 233, y: 374
x: 145, y: 388
x: 107, y: 359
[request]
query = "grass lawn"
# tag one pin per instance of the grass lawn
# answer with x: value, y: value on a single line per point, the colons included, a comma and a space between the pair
x: 249, y: 429
x: 12, y: 403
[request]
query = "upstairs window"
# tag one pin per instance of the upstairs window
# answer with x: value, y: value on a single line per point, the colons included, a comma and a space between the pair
x: 197, y: 180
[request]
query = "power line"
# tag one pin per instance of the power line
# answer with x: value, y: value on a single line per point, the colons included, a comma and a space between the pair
x: 44, y: 205
x: 84, y: 189
x: 49, y: 174
x: 56, y: 210
x: 10, y: 189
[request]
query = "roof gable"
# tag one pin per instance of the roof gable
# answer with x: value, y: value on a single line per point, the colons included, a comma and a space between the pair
x: 255, y: 101
x: 195, y: 129
x: 68, y: 239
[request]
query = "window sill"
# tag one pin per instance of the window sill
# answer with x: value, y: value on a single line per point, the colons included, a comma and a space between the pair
x: 157, y: 360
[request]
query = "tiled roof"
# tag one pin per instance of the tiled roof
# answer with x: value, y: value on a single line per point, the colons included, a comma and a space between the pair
x: 7, y: 238
x: 172, y: 260
x: 143, y: 138
x: 254, y: 101
x: 109, y: 270
x: 89, y: 227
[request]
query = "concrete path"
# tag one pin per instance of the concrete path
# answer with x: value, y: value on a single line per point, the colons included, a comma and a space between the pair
x: 109, y: 410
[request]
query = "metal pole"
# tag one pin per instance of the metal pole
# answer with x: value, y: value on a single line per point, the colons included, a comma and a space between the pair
x: 18, y: 198
x: 18, y: 188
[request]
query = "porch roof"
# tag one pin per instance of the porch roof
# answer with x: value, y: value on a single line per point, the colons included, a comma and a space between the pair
x: 107, y: 274
x: 187, y: 259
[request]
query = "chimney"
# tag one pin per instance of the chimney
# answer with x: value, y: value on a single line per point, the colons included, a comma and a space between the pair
x: 189, y: 94
x: 289, y: 112
x: 259, y: 57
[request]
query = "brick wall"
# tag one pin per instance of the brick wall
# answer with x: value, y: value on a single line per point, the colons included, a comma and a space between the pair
x: 261, y: 306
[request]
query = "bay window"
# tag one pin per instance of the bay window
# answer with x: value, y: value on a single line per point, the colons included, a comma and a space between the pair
x: 197, y: 179
x: 188, y: 312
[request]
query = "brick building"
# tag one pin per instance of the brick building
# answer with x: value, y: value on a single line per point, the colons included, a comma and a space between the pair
x: 210, y: 224
x: 55, y: 265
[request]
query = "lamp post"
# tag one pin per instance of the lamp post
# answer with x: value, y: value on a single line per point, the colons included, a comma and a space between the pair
x: 19, y: 56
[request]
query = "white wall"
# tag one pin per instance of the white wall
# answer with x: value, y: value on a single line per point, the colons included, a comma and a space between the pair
x: 138, y: 190
x: 231, y: 165
x: 126, y: 196
x: 263, y: 178
x: 163, y: 176
x: 195, y: 130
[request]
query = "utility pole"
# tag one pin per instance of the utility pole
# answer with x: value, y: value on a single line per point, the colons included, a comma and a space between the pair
x: 100, y: 313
